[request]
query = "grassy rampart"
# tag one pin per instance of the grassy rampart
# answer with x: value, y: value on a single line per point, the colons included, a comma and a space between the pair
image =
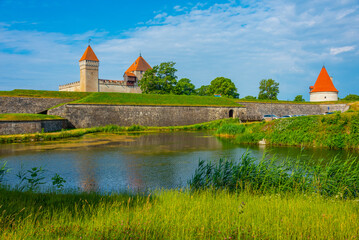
x: 43, y: 94
x: 156, y: 99
x: 26, y: 117
x: 338, y: 131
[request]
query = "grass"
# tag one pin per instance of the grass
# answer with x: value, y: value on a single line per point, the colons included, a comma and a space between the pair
x: 175, y: 214
x: 336, y: 131
x: 43, y: 94
x: 26, y: 117
x: 109, y: 129
x: 156, y: 99
x: 339, y: 178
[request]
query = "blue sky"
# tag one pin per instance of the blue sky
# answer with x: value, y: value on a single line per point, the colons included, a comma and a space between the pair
x: 246, y: 41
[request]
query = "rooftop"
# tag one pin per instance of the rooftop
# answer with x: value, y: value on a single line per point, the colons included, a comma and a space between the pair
x: 323, y: 83
x: 89, y: 55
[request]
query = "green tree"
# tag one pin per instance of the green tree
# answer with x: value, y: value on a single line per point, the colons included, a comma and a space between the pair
x: 268, y: 89
x: 299, y: 98
x: 249, y: 98
x: 203, y: 90
x: 351, y: 97
x: 184, y: 87
x: 161, y: 79
x: 223, y: 86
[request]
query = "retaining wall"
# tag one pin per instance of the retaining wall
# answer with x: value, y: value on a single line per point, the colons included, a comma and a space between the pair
x: 22, y: 127
x: 91, y: 115
x: 281, y: 109
x: 28, y: 105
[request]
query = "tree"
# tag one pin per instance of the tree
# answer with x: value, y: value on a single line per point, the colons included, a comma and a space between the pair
x: 249, y: 98
x: 223, y: 86
x: 184, y: 87
x: 203, y: 90
x: 160, y: 79
x: 268, y: 89
x: 299, y: 98
x: 351, y: 97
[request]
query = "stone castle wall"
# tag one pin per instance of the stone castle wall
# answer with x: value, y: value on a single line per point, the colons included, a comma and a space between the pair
x: 91, y: 115
x: 22, y: 127
x: 28, y: 105
x: 281, y: 109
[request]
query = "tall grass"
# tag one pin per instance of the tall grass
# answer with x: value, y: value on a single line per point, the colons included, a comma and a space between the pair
x: 334, y: 178
x: 175, y: 214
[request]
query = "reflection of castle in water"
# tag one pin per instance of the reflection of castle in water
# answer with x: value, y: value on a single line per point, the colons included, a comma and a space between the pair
x: 147, y: 161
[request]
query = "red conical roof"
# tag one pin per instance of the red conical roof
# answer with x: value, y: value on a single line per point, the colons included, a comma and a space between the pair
x: 323, y: 83
x: 139, y: 65
x: 89, y: 55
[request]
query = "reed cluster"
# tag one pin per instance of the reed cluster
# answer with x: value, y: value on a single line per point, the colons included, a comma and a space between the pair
x: 335, y: 178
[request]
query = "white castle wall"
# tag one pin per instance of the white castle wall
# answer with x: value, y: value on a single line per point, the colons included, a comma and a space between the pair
x: 117, y: 86
x: 70, y: 87
x: 323, y: 96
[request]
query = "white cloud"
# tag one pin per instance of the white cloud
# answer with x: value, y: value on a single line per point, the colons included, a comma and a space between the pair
x: 178, y: 8
x: 335, y: 51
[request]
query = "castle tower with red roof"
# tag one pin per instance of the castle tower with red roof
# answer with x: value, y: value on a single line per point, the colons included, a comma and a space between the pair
x: 90, y: 82
x: 323, y: 89
x: 135, y: 72
x: 89, y: 65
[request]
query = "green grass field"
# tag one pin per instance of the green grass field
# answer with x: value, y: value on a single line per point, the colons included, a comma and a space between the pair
x: 26, y: 117
x: 175, y: 214
x: 156, y: 99
x: 43, y: 94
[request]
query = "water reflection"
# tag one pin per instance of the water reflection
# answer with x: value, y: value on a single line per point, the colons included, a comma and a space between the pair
x: 115, y: 162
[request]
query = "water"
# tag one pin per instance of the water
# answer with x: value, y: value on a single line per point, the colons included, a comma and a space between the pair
x: 116, y: 162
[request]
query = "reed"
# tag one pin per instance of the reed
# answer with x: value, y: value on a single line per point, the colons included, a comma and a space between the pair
x: 335, y: 178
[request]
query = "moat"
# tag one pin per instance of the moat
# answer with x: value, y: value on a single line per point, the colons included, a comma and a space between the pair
x: 109, y: 162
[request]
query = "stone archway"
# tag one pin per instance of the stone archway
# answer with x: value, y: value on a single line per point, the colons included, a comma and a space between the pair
x: 231, y: 113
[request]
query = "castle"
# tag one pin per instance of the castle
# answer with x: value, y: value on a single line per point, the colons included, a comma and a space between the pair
x: 323, y: 89
x: 90, y: 82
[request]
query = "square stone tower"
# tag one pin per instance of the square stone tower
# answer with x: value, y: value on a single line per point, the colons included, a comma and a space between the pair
x: 89, y: 65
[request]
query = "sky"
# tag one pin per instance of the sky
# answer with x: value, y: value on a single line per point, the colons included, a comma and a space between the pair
x: 42, y: 41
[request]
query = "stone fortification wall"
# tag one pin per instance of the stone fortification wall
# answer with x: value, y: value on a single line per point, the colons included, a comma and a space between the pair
x: 281, y: 109
x: 28, y: 105
x: 91, y: 115
x: 22, y: 127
